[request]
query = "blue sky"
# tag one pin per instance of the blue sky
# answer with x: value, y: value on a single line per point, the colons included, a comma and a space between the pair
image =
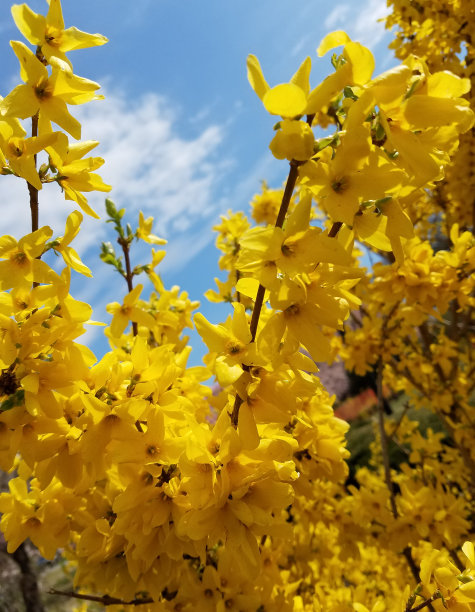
x: 183, y: 135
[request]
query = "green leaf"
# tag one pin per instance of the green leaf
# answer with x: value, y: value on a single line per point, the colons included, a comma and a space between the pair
x: 349, y: 93
x: 16, y: 399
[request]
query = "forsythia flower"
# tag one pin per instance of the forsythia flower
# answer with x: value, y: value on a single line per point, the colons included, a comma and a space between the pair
x: 49, y: 34
x: 47, y: 94
x: 75, y: 174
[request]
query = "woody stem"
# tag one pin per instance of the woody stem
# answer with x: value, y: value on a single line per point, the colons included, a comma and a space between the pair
x: 34, y: 208
x: 256, y: 311
x: 128, y: 273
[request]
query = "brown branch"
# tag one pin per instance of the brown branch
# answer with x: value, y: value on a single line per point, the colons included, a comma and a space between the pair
x: 384, y: 439
x: 105, y: 600
x: 425, y: 604
x: 407, y: 552
x: 34, y: 206
x: 28, y: 581
x: 335, y: 228
x: 456, y: 559
x: 124, y: 243
x: 256, y: 311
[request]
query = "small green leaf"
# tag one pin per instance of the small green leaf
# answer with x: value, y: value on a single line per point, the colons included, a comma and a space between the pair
x: 349, y: 93
x: 16, y: 399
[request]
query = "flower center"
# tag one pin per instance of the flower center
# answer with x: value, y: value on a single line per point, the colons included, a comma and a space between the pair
x: 292, y: 310
x: 43, y: 90
x: 53, y: 36
x: 19, y: 258
x: 340, y: 184
x: 16, y: 146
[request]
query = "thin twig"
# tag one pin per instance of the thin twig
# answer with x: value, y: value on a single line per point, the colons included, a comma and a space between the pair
x: 105, y: 600
x: 129, y: 274
x: 407, y: 552
x: 425, y: 604
x: 456, y: 559
x: 256, y: 311
x: 34, y: 206
x: 384, y: 439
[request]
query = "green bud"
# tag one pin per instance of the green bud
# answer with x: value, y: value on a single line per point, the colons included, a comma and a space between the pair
x: 111, y: 209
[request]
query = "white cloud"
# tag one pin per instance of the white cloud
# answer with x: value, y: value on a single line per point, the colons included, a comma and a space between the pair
x: 336, y: 17
x: 360, y: 21
x: 150, y: 166
x: 368, y: 28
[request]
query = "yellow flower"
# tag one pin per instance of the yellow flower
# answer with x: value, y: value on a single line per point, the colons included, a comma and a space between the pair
x: 46, y: 94
x: 61, y: 245
x: 75, y: 174
x: 304, y: 308
x: 144, y: 231
x: 354, y: 67
x: 293, y: 140
x: 129, y: 311
x: 36, y: 514
x: 293, y: 99
x: 346, y: 181
x: 231, y: 342
x: 287, y: 99
x: 49, y: 34
x: 20, y: 152
x: 266, y: 252
x: 20, y: 265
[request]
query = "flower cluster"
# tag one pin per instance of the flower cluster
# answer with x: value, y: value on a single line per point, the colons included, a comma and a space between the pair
x: 166, y: 495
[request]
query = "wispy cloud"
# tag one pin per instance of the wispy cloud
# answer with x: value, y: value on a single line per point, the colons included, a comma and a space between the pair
x: 361, y: 21
x: 150, y: 166
x: 337, y: 16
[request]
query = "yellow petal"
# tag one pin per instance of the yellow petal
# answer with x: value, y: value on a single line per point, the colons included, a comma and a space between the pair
x: 295, y: 140
x: 399, y: 223
x: 73, y: 39
x: 214, y: 336
x: 227, y: 374
x: 36, y: 144
x: 329, y: 250
x: 468, y: 551
x: 55, y: 15
x: 445, y: 84
x: 73, y: 89
x: 240, y: 325
x: 55, y: 109
x: 32, y: 70
x: 332, y: 40
x: 286, y: 100
x: 255, y: 76
x: 302, y: 77
x: 269, y: 338
x: 73, y: 223
x: 248, y: 287
x: 371, y: 228
x: 323, y: 94
x: 361, y: 60
x: 30, y: 24
x: 391, y: 84
x: 31, y: 383
x: 76, y: 196
x: 468, y: 591
x: 247, y: 428
x: 72, y: 259
x: 21, y: 102
x: 425, y: 111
